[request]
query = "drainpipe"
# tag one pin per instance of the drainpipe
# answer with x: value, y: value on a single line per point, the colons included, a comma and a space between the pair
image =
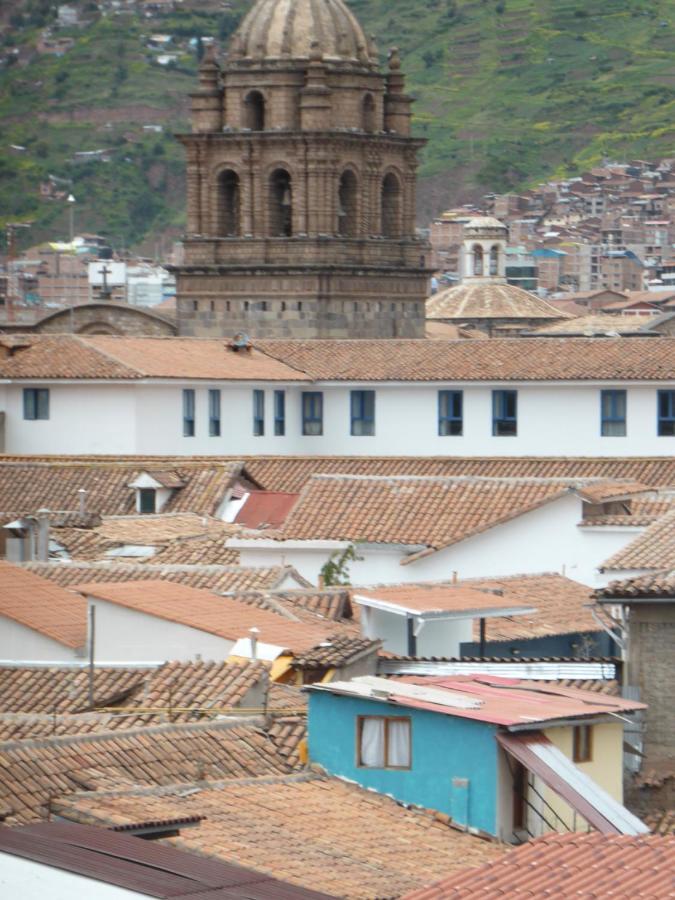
x: 42, y: 550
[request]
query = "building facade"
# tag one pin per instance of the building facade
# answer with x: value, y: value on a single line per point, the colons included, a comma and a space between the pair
x: 301, y: 185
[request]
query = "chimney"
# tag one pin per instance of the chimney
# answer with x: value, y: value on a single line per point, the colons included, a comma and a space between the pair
x: 42, y: 549
x: 254, y: 632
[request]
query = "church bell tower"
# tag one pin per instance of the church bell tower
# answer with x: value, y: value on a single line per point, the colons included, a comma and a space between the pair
x: 301, y: 185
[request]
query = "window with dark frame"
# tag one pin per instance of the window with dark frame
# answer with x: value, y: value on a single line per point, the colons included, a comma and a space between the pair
x: 35, y: 403
x: 384, y: 742
x: 613, y: 413
x: 450, y: 413
x: 363, y: 413
x: 582, y: 743
x: 147, y: 501
x: 505, y: 413
x: 188, y: 412
x: 312, y: 413
x: 666, y: 413
x: 279, y: 413
x: 214, y: 413
x: 258, y: 413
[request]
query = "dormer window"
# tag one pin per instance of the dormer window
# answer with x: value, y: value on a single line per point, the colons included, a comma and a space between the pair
x: 154, y: 490
x: 147, y: 500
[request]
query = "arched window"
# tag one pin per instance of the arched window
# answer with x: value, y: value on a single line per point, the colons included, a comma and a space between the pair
x: 478, y: 260
x: 281, y: 204
x: 494, y: 260
x: 347, y: 204
x: 368, y: 113
x: 228, y: 204
x: 391, y: 206
x: 254, y: 111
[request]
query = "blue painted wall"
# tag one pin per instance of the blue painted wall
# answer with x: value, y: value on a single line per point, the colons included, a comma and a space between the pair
x: 443, y: 748
x: 557, y: 645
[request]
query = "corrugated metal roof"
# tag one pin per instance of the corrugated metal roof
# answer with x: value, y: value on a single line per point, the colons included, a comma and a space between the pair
x: 154, y: 869
x: 597, y: 807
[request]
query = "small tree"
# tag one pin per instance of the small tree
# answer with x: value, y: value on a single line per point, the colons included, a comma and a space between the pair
x: 335, y: 572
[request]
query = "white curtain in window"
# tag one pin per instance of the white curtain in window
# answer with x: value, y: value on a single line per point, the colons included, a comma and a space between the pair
x: 399, y: 744
x: 372, y: 743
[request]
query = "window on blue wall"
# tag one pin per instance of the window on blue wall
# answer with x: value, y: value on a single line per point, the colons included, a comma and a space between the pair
x: 505, y: 413
x: 214, y: 413
x: 280, y: 412
x: 312, y: 412
x: 188, y: 413
x: 363, y: 412
x: 384, y: 742
x: 36, y: 403
x: 258, y: 413
x: 613, y: 413
x: 666, y: 413
x: 450, y: 412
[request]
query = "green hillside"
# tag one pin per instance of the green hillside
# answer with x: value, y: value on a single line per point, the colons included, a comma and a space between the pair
x: 509, y: 92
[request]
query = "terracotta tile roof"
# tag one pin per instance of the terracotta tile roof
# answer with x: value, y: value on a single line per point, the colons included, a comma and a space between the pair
x: 661, y: 821
x: 434, y: 597
x: 219, y: 578
x: 336, y: 651
x: 43, y: 607
x: 80, y: 543
x: 330, y: 603
x: 203, y: 610
x: 478, y: 300
x: 34, y: 726
x: 603, y: 491
x: 598, y: 324
x: 500, y: 359
x: 428, y: 512
x: 344, y: 840
x: 195, y: 551
x: 289, y: 734
x: 561, y: 607
x: 293, y: 472
x: 286, y: 697
x: 103, y: 356
x: 61, y: 689
x: 160, y: 529
x: 653, y: 549
x: 656, y: 584
x: 34, y: 771
x: 26, y: 486
x: 567, y: 866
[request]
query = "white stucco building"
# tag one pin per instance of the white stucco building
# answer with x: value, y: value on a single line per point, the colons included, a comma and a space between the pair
x: 589, y: 397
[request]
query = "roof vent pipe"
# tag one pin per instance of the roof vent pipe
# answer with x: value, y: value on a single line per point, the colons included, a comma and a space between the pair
x: 254, y: 632
x: 82, y: 496
x: 42, y: 549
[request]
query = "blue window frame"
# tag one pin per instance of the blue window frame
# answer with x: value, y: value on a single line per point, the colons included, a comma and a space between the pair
x: 280, y: 413
x: 35, y: 403
x: 258, y: 413
x: 666, y: 414
x: 505, y: 413
x: 363, y: 412
x: 450, y: 413
x: 214, y: 413
x: 188, y: 413
x: 613, y: 413
x: 312, y: 412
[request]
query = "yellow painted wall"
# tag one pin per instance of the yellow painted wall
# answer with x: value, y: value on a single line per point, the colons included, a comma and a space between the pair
x: 605, y: 768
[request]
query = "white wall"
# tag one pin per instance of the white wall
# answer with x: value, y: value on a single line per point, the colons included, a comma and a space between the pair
x: 440, y: 637
x: 126, y: 635
x: 23, y: 879
x: 19, y: 643
x: 553, y: 420
x: 83, y: 418
x: 547, y: 539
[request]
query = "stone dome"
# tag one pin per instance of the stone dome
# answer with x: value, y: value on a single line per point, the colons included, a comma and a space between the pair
x: 490, y: 300
x: 279, y: 30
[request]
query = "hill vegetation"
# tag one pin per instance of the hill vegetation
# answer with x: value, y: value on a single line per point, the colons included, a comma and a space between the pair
x: 510, y: 92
